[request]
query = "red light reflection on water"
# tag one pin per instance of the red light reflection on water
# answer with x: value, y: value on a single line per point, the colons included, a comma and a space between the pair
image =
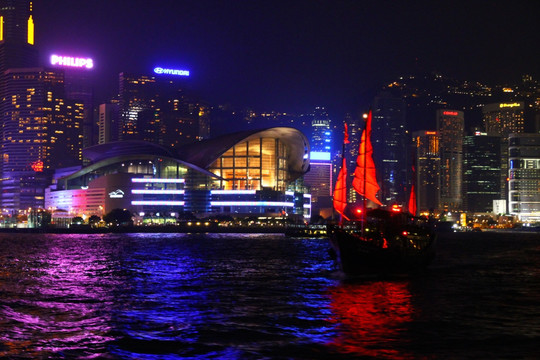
x: 371, y: 318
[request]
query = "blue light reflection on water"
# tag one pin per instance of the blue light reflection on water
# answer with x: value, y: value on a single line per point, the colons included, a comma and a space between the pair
x: 171, y: 296
x: 151, y: 295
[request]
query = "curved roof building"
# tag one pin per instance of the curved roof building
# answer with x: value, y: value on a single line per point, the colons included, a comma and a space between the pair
x: 249, y: 172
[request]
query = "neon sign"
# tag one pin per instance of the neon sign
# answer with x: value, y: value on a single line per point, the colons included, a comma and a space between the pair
x: 70, y: 61
x: 509, y: 105
x: 450, y: 113
x: 163, y: 71
x: 320, y: 155
x: 116, y: 194
x: 37, y: 166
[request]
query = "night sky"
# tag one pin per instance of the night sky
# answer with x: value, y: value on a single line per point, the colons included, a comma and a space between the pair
x: 294, y: 55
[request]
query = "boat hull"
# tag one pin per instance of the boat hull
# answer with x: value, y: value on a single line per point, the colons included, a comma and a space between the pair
x: 359, y: 255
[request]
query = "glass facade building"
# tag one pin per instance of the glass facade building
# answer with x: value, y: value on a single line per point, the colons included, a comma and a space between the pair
x: 524, y: 176
x: 428, y: 160
x: 481, y: 172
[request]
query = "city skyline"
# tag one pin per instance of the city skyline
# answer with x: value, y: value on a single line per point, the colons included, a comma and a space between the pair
x: 296, y: 55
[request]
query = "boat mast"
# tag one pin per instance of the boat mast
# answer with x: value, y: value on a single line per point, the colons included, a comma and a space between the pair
x: 364, y: 205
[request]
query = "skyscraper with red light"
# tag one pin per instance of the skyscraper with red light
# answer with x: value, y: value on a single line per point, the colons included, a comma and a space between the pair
x: 450, y: 127
x: 41, y: 131
x: 40, y: 128
x: 427, y: 158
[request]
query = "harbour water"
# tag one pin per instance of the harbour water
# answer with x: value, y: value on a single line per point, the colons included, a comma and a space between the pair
x: 262, y: 296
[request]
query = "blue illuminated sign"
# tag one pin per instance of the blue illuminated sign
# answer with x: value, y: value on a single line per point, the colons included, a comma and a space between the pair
x: 163, y: 71
x: 319, y: 155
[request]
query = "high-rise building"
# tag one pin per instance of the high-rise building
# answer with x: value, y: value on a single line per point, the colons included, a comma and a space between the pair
x: 319, y: 180
x: 17, y: 35
x: 427, y: 159
x: 481, y: 172
x: 503, y: 119
x: 41, y: 131
x: 391, y: 142
x: 321, y: 133
x: 524, y: 177
x: 108, y: 123
x: 79, y: 87
x: 450, y: 127
x: 354, y: 126
x: 155, y: 109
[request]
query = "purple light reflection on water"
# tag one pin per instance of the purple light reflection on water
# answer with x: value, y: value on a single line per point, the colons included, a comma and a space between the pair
x: 60, y: 296
x: 156, y: 296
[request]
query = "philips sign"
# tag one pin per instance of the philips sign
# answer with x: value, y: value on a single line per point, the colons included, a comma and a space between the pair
x: 160, y: 71
x: 69, y: 61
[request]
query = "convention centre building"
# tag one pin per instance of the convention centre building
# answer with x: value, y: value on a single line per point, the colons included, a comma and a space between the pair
x: 258, y: 173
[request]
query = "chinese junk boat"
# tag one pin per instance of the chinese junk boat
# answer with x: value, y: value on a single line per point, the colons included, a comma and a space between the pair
x: 381, y: 241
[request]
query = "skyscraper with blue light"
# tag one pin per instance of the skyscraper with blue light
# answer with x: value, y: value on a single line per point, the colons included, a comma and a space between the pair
x: 321, y: 132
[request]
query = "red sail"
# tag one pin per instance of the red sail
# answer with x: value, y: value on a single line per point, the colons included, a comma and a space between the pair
x: 365, y: 178
x: 412, y: 198
x: 340, y: 191
x: 412, y: 201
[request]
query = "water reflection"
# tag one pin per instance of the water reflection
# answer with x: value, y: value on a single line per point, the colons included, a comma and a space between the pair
x: 371, y: 318
x: 56, y: 300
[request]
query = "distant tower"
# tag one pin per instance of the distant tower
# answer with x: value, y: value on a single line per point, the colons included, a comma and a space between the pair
x: 321, y: 136
x: 319, y: 177
x: 108, y: 123
x: 355, y: 127
x: 524, y: 177
x: 427, y: 158
x: 391, y: 143
x: 450, y: 127
x: 503, y: 119
x: 481, y: 172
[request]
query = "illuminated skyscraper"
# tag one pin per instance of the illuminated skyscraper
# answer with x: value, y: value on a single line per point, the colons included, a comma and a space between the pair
x: 391, y: 142
x: 503, y: 119
x: 156, y: 109
x: 481, y: 172
x: 79, y: 87
x: 319, y: 177
x: 321, y: 133
x: 319, y: 180
x: 524, y: 177
x: 450, y: 127
x: 41, y: 131
x: 428, y: 161
x: 355, y: 126
x: 16, y: 35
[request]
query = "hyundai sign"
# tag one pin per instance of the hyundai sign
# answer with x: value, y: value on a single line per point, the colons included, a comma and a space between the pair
x: 74, y: 62
x: 177, y: 72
